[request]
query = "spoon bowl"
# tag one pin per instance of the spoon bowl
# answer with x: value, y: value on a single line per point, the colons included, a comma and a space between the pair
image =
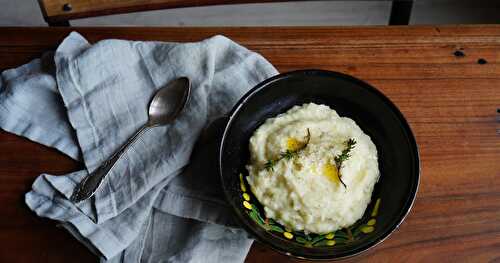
x: 168, y: 102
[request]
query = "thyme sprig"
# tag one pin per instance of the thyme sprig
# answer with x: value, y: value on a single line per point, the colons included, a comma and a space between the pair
x: 346, y: 153
x: 288, y: 154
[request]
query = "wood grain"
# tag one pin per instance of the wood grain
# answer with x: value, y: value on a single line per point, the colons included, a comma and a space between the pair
x: 450, y: 101
x: 54, y: 11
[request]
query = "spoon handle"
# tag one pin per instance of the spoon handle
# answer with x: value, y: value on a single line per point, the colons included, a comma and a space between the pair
x: 87, y: 187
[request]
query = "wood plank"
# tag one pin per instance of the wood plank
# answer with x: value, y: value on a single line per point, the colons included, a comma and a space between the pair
x: 451, y: 103
x: 63, y: 10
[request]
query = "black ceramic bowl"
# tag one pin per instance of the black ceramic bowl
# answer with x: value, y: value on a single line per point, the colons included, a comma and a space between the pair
x: 373, y: 112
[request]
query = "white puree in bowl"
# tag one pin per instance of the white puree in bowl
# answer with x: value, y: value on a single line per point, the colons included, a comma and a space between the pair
x: 304, y: 192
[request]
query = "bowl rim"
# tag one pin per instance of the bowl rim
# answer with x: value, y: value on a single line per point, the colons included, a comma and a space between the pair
x: 404, y: 123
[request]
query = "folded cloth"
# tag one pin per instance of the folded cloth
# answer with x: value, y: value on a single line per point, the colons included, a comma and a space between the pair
x: 156, y: 205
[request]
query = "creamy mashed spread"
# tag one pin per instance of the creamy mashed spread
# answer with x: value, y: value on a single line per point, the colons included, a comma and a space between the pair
x: 294, y: 175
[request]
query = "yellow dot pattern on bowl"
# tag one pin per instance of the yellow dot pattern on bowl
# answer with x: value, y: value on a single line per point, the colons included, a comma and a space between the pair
x: 330, y: 242
x: 288, y: 235
x: 247, y: 205
x: 242, y: 184
x: 246, y: 196
x: 371, y: 222
x: 331, y: 172
x: 367, y: 229
x: 375, y: 208
x: 330, y: 236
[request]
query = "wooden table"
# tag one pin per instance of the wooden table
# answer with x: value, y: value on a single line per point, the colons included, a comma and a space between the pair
x: 445, y: 80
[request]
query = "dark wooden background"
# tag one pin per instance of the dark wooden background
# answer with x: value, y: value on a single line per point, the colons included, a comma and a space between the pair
x: 450, y: 101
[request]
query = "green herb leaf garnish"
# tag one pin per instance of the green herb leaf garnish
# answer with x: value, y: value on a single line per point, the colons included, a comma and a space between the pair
x: 288, y: 154
x: 339, y: 159
x: 345, y: 153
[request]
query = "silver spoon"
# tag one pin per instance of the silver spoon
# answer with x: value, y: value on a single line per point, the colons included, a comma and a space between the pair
x: 165, y: 106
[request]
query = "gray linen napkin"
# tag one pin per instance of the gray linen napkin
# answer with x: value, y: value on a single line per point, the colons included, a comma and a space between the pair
x: 156, y: 205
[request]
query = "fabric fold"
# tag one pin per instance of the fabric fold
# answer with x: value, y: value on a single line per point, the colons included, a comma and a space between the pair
x: 30, y: 106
